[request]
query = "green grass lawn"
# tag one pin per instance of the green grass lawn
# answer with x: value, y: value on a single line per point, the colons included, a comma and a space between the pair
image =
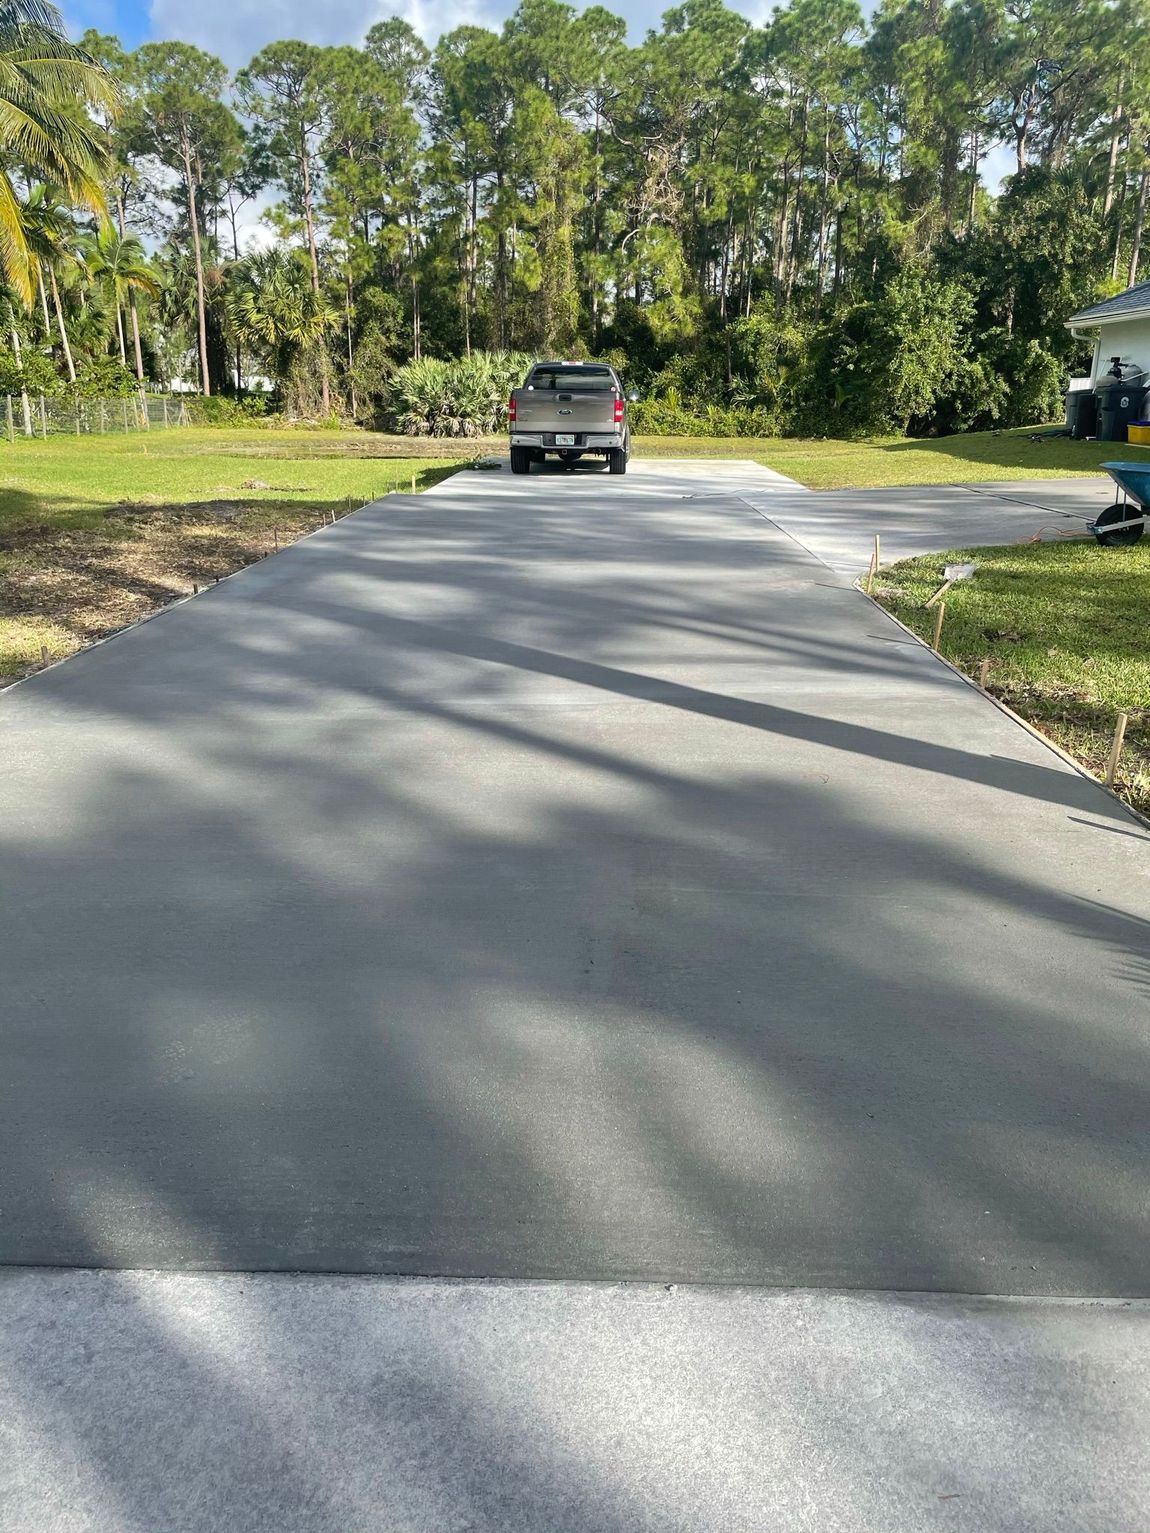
x: 100, y: 531
x: 68, y: 481
x: 77, y: 481
x: 977, y: 455
x: 1066, y: 628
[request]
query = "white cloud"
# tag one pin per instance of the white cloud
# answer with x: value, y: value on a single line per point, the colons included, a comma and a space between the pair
x: 234, y: 30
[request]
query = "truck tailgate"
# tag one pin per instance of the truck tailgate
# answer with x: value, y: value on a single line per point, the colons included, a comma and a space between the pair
x: 560, y: 410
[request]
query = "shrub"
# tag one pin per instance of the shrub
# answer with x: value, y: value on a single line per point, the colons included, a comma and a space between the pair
x: 37, y: 374
x: 103, y: 378
x: 875, y: 368
x: 669, y: 417
x: 463, y: 398
x: 222, y: 410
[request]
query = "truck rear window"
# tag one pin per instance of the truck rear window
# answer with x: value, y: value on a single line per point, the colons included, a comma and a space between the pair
x: 581, y: 378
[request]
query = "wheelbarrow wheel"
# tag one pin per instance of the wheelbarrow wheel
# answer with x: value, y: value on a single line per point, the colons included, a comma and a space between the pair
x: 1118, y: 536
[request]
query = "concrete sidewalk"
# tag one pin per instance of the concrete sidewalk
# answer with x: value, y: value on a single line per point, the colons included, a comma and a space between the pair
x: 838, y: 526
x: 145, y: 1403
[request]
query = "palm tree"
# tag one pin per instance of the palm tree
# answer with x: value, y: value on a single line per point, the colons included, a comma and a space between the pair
x: 273, y: 307
x: 119, y: 263
x: 52, y: 239
x: 47, y: 85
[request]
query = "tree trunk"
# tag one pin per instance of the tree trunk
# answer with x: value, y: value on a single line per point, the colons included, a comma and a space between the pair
x: 350, y: 357
x: 777, y: 262
x: 44, y: 304
x: 62, y: 327
x: 25, y: 407
x: 1118, y: 225
x: 472, y: 252
x: 824, y: 214
x: 792, y: 254
x: 1139, y: 222
x: 136, y: 347
x: 1112, y: 159
x: 201, y: 305
x: 1021, y: 142
x: 120, y: 333
x: 313, y: 255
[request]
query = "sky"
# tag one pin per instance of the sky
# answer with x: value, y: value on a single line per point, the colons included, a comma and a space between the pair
x: 236, y: 29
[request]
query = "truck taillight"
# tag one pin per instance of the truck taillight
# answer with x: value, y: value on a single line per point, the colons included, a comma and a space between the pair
x: 511, y: 409
x: 618, y: 412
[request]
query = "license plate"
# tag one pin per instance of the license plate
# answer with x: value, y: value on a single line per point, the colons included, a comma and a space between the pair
x: 564, y: 439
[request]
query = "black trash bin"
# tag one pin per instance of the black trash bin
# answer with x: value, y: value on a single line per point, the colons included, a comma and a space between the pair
x: 1118, y: 404
x: 1081, y: 414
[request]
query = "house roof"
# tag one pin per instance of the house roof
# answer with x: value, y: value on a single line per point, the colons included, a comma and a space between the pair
x: 1135, y: 300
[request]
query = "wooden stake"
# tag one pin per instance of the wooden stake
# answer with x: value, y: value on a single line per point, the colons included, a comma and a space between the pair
x: 942, y: 590
x: 1115, y: 749
x: 44, y: 658
x: 984, y: 674
x: 940, y: 613
x: 874, y: 563
x: 413, y: 489
x: 43, y: 418
x: 195, y: 589
x: 276, y: 536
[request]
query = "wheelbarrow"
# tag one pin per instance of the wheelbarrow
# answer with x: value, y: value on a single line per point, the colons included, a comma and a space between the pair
x: 1125, y: 520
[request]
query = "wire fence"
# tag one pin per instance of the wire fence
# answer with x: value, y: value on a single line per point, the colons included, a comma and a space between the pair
x: 36, y: 415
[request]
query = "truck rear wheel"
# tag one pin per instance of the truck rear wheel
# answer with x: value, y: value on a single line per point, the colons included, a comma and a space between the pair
x: 617, y: 461
x: 520, y: 460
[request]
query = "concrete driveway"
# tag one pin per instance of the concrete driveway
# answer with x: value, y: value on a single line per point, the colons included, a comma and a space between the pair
x: 838, y: 526
x: 563, y: 877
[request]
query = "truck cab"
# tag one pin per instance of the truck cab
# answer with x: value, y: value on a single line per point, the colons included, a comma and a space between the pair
x: 570, y: 410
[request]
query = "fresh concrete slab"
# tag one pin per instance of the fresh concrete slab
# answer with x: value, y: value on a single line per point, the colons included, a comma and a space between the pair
x: 563, y: 876
x: 148, y: 1403
x: 839, y: 526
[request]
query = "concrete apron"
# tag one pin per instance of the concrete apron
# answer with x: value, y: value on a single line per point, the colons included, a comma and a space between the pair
x: 137, y: 1402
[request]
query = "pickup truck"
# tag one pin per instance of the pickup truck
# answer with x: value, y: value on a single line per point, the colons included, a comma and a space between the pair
x: 569, y: 409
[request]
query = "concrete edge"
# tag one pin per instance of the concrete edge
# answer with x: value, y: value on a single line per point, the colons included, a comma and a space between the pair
x: 927, y: 1297
x: 1051, y: 745
x: 181, y: 601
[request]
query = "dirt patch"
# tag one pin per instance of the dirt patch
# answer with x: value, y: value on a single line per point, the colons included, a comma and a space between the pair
x: 60, y: 590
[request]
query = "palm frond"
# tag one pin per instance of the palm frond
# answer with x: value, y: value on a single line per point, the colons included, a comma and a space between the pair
x: 16, y: 260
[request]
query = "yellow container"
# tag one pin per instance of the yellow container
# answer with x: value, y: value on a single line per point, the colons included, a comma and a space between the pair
x: 1139, y: 431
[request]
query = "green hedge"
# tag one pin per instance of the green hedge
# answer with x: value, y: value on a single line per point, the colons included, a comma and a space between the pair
x: 662, y: 417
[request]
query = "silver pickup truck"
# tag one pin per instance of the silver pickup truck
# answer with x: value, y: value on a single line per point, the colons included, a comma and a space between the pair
x: 569, y: 409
